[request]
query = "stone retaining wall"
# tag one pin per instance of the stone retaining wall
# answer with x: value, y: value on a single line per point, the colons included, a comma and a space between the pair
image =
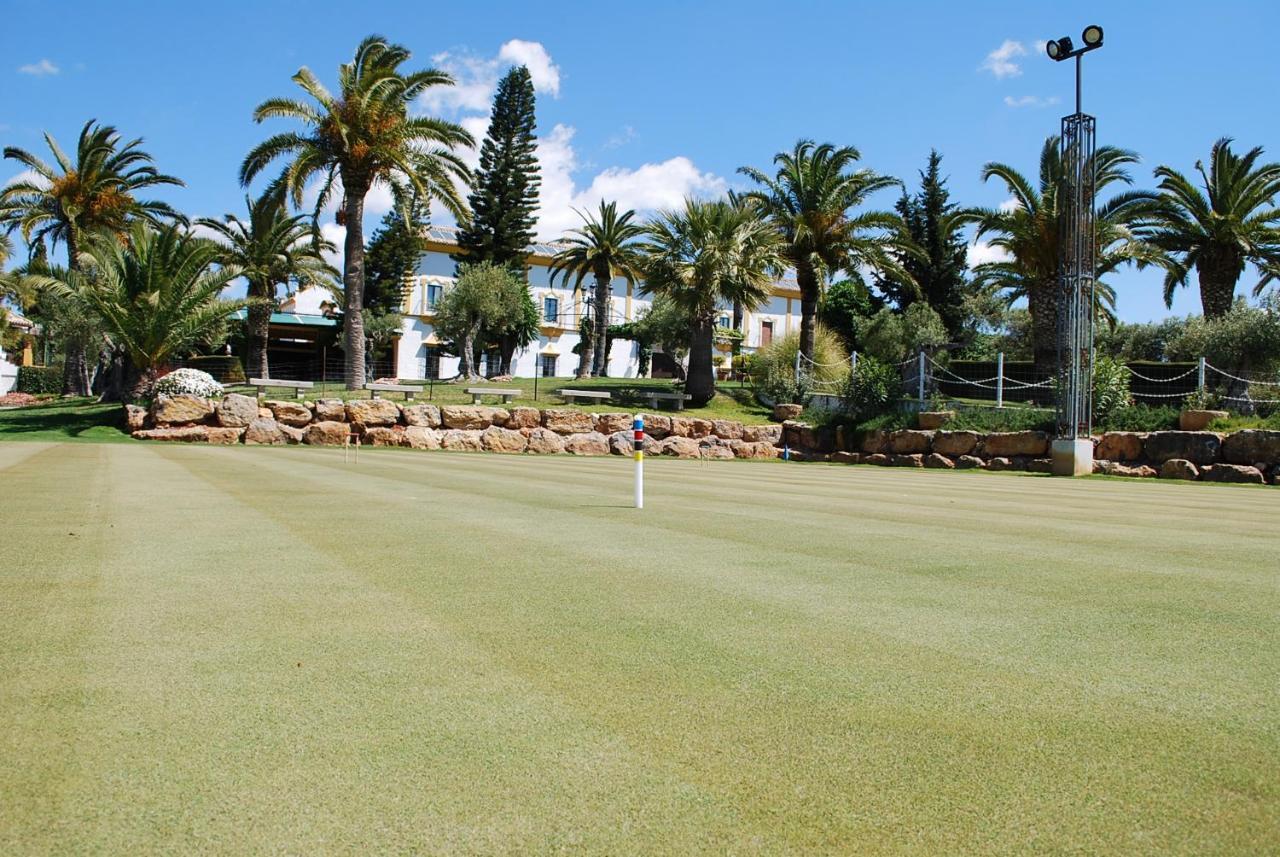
x: 380, y: 422
x: 1250, y: 456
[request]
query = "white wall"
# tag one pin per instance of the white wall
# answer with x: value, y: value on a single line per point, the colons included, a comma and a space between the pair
x: 8, y: 374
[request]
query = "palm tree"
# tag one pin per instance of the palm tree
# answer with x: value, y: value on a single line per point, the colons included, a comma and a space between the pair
x: 604, y: 247
x: 361, y: 137
x: 707, y: 255
x: 811, y: 200
x: 271, y: 249
x: 1234, y: 221
x: 72, y: 200
x: 159, y: 295
x: 1029, y: 234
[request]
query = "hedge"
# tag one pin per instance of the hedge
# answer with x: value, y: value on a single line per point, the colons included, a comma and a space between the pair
x: 39, y: 379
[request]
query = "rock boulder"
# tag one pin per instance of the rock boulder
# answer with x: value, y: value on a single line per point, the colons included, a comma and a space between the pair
x: 427, y: 416
x: 497, y: 439
x: 587, y: 443
x: 326, y: 433
x: 1009, y: 444
x: 564, y: 421
x: 727, y: 429
x: 909, y: 442
x: 421, y: 437
x: 782, y: 413
x: 955, y: 443
x: 762, y: 434
x: 1198, y: 447
x: 1251, y: 446
x: 237, y: 411
x: 175, y: 434
x: 373, y: 412
x: 289, y: 413
x: 331, y: 410
x: 263, y: 432
x: 1240, y: 473
x: 1179, y: 468
x: 612, y: 422
x: 544, y: 441
x: 1120, y: 446
x: 941, y: 462
x: 175, y: 410
x: 519, y: 418
x: 461, y: 440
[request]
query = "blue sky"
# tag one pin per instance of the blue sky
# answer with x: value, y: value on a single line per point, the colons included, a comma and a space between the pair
x: 648, y: 103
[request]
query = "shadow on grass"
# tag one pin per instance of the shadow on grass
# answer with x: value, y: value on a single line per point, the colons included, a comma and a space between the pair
x: 82, y: 420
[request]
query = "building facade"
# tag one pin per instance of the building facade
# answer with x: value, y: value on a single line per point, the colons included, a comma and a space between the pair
x: 419, y: 350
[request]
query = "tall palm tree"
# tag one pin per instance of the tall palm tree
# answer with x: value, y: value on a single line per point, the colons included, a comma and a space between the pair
x: 604, y: 247
x: 271, y: 249
x: 71, y: 200
x: 812, y: 200
x: 1029, y: 234
x: 705, y: 256
x: 159, y: 295
x: 1233, y: 221
x: 364, y: 136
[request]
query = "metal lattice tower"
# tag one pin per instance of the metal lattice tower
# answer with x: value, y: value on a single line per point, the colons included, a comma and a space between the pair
x: 1076, y: 281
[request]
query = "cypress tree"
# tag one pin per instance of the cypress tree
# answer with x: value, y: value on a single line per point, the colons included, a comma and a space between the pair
x: 504, y: 195
x: 392, y: 253
x: 942, y: 276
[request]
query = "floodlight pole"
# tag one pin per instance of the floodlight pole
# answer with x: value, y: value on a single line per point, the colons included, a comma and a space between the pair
x: 1073, y: 446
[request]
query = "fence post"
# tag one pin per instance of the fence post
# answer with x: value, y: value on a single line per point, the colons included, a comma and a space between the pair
x: 1200, y: 376
x: 797, y: 364
x: 853, y: 362
x: 1000, y: 380
x: 920, y: 379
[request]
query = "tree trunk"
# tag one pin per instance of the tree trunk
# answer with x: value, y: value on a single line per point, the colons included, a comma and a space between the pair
x: 807, y: 279
x: 701, y: 383
x: 353, y: 281
x: 1042, y: 302
x: 259, y: 328
x: 600, y: 367
x: 507, y: 346
x: 466, y: 355
x: 75, y: 368
x: 1218, y: 270
x: 114, y: 387
x: 585, y: 349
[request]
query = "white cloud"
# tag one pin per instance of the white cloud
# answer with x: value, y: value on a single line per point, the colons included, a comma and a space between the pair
x: 1010, y: 204
x: 981, y: 251
x: 1000, y: 61
x: 477, y: 77
x: 27, y: 176
x: 1030, y: 101
x: 39, y: 69
x: 622, y: 138
x: 545, y: 73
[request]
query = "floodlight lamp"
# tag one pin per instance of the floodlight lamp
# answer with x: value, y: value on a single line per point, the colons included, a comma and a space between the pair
x: 1092, y: 36
x: 1060, y: 49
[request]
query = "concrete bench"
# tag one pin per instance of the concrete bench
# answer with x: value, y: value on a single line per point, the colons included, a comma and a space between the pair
x: 571, y: 396
x: 409, y: 390
x: 477, y: 392
x: 297, y: 386
x: 655, y: 396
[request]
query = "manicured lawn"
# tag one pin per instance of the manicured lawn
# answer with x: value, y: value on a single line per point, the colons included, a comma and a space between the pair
x: 270, y: 651
x: 75, y: 420
x: 733, y: 400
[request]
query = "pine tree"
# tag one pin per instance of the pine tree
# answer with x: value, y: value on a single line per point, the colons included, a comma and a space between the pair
x: 392, y: 253
x: 504, y: 195
x: 931, y: 221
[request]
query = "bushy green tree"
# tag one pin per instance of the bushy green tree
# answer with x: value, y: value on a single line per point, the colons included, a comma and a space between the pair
x: 392, y: 256
x: 938, y: 275
x: 893, y: 337
x: 1244, y: 342
x: 485, y: 295
x: 846, y: 305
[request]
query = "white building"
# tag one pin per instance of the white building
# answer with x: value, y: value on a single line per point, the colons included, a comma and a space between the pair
x: 9, y: 363
x: 418, y: 351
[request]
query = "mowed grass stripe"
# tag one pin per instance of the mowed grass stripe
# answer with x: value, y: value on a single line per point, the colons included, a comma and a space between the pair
x: 400, y: 473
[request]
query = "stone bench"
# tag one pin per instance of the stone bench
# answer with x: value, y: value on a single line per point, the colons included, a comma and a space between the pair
x: 572, y: 396
x: 477, y: 392
x: 409, y: 390
x: 262, y: 384
x: 654, y: 396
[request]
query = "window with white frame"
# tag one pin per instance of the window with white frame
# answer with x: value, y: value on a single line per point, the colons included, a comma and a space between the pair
x: 433, y: 295
x: 551, y: 309
x: 725, y: 321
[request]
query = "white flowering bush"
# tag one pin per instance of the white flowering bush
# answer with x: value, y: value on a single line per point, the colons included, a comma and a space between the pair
x: 191, y: 382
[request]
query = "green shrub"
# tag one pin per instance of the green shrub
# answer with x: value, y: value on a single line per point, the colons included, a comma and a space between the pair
x: 38, y: 380
x: 1139, y: 417
x: 1002, y: 419
x: 871, y: 390
x: 783, y: 387
x: 893, y: 337
x: 225, y: 369
x: 776, y: 362
x: 1110, y: 386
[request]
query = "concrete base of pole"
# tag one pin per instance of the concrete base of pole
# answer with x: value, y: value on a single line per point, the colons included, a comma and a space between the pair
x: 1072, y: 457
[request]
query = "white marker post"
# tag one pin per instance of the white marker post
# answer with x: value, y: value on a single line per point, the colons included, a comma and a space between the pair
x: 638, y: 446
